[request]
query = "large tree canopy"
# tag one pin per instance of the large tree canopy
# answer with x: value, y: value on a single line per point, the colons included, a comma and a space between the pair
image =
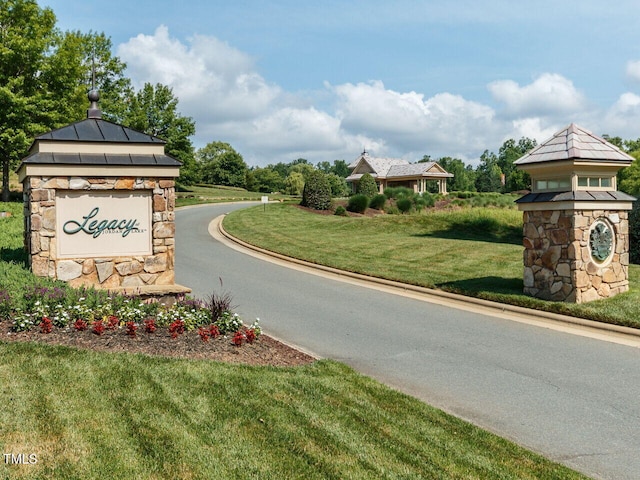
x: 220, y: 164
x: 39, y: 73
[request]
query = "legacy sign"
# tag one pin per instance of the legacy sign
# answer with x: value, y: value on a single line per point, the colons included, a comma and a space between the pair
x: 103, y: 224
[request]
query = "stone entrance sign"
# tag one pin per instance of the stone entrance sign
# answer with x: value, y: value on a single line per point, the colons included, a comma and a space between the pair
x: 99, y: 207
x: 576, y: 230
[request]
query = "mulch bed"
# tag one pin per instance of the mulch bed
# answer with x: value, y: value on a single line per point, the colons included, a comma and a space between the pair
x: 264, y: 350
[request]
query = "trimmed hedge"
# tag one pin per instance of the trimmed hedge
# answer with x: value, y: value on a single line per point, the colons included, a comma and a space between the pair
x: 367, y: 186
x: 378, y: 202
x: 316, y: 193
x: 358, y: 203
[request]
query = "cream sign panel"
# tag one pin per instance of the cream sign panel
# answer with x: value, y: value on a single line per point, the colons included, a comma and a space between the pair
x: 103, y: 224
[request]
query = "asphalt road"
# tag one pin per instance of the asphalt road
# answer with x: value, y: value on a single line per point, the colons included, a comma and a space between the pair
x: 574, y: 399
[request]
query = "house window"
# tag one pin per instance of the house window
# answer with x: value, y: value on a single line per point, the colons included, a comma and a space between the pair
x: 595, y: 182
x: 553, y: 184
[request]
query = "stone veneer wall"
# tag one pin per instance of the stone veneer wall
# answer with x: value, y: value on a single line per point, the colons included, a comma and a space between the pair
x: 557, y: 260
x: 40, y: 234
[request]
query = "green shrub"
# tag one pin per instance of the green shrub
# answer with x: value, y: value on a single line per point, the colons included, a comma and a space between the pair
x: 317, y: 191
x: 378, y: 202
x: 367, y: 186
x: 358, y: 203
x: 404, y: 204
x: 429, y: 199
x: 341, y: 211
x: 398, y: 192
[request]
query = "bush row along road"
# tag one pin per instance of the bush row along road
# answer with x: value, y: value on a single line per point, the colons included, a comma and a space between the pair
x: 571, y: 398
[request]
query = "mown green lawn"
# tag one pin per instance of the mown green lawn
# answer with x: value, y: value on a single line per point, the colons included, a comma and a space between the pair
x: 198, y: 194
x: 473, y: 251
x: 89, y: 415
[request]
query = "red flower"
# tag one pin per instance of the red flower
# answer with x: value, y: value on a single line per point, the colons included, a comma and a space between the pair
x: 204, y: 334
x: 149, y: 325
x: 250, y: 335
x: 98, y: 327
x: 112, y: 322
x: 80, y: 325
x: 176, y: 328
x: 238, y: 338
x: 131, y: 329
x: 214, y: 331
x: 46, y: 325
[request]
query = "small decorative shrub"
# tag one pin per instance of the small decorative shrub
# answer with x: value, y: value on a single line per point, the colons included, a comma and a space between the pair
x: 46, y: 325
x: 378, y: 202
x: 80, y: 325
x: 176, y: 328
x: 150, y: 325
x: 112, y: 322
x: 367, y: 186
x: 5, y: 304
x: 404, y: 204
x: 358, y: 203
x: 98, y: 327
x: 204, y: 334
x: 229, y: 323
x: 131, y: 328
x: 429, y: 199
x: 341, y: 211
x: 238, y: 338
x: 316, y: 193
x: 250, y: 335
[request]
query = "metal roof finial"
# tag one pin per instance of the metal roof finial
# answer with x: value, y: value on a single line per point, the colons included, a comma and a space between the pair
x: 93, y: 95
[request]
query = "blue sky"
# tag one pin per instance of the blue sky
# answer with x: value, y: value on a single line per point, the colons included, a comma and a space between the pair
x: 286, y: 79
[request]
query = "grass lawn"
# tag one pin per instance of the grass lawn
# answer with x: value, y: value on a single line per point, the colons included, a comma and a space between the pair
x: 96, y: 415
x: 198, y: 194
x: 476, y: 252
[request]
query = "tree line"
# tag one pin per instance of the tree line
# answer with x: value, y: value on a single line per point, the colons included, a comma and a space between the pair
x: 45, y: 75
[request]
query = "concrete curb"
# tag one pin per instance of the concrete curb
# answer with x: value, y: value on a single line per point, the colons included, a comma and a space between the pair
x: 452, y: 299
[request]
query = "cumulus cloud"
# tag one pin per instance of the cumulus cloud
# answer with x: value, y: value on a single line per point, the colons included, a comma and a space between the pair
x: 211, y: 78
x: 633, y: 70
x: 549, y: 94
x: 220, y: 87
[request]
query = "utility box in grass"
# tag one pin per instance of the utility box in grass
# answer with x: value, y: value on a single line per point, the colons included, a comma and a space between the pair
x: 576, y: 229
x: 99, y: 203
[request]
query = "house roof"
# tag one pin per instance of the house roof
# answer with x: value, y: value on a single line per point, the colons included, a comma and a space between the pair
x: 576, y: 195
x: 574, y: 142
x: 395, y: 167
x: 98, y: 130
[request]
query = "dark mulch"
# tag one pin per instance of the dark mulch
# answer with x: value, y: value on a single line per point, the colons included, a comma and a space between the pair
x: 264, y: 350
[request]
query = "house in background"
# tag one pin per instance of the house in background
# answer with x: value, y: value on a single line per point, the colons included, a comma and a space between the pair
x: 394, y: 172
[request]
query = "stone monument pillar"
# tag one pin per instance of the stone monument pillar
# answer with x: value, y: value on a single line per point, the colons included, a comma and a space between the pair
x: 576, y: 229
x: 99, y: 203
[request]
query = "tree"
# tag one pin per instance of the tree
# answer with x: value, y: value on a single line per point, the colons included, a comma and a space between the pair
x: 367, y: 186
x: 294, y: 183
x: 509, y: 152
x: 463, y: 175
x: 338, y: 185
x: 222, y: 165
x: 38, y: 79
x: 488, y: 173
x: 154, y: 111
x: 265, y: 180
x: 340, y: 168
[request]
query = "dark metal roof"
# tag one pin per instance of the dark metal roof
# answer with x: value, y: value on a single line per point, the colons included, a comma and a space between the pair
x: 577, y: 195
x: 99, y: 130
x: 49, y: 158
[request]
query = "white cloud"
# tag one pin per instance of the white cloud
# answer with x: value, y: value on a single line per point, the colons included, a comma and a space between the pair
x: 408, y: 122
x: 549, y: 94
x: 623, y: 118
x: 211, y: 79
x: 633, y: 70
x: 219, y: 86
